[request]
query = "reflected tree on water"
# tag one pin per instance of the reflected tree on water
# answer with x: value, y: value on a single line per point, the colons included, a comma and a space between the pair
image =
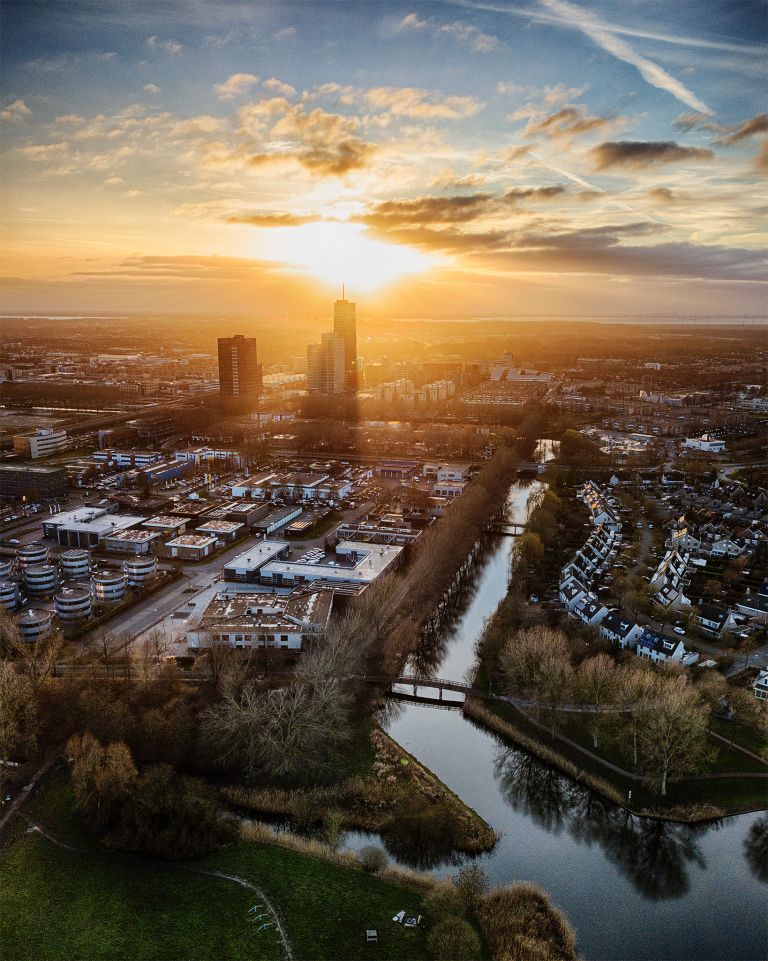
x: 422, y: 834
x: 756, y: 849
x: 534, y: 788
x: 438, y: 632
x: 654, y: 855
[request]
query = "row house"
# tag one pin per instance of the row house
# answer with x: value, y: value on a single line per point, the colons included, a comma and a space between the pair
x: 715, y: 620
x: 572, y: 592
x: 589, y: 610
x: 652, y: 646
x: 670, y: 579
x: 619, y: 629
x: 602, y: 506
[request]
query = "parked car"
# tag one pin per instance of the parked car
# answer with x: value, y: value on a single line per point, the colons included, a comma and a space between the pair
x: 678, y: 630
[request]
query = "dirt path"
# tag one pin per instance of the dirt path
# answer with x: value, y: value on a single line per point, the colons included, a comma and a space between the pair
x: 27, y: 789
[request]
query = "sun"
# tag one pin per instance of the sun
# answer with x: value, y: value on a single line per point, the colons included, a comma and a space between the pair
x: 338, y: 253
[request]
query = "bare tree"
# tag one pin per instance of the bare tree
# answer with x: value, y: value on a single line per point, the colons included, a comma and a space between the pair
x: 672, y: 736
x: 537, y: 661
x: 102, y: 778
x: 18, y: 714
x: 638, y: 687
x: 293, y: 732
x: 596, y: 683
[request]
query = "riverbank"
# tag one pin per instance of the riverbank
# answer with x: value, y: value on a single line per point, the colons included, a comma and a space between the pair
x: 689, y: 800
x: 400, y: 799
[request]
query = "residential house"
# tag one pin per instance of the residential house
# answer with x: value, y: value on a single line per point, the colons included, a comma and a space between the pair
x: 653, y: 646
x: 619, y: 629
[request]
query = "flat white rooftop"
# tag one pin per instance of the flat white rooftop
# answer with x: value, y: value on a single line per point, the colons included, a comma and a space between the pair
x: 93, y: 520
x: 256, y: 556
x: 356, y: 562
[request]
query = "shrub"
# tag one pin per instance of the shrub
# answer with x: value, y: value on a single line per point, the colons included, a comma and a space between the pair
x: 170, y: 817
x: 373, y: 859
x: 453, y: 938
x: 521, y: 924
x: 472, y: 884
x: 333, y: 828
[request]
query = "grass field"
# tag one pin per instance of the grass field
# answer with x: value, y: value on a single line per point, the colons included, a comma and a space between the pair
x: 96, y: 905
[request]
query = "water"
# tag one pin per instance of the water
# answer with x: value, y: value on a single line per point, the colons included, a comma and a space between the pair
x: 635, y: 889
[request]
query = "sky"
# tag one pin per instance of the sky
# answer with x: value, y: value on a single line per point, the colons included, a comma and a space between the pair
x: 465, y: 158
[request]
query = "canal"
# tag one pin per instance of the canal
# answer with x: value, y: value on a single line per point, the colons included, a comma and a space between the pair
x: 635, y: 889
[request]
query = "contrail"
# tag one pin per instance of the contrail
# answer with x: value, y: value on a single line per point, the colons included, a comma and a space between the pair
x: 599, y: 31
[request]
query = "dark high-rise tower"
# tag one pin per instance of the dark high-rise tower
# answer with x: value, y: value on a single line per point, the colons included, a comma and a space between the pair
x: 239, y: 371
x: 345, y: 326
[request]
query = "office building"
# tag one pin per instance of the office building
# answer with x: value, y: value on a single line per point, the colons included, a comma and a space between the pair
x: 41, y: 443
x: 325, y: 365
x: 32, y: 482
x: 345, y: 326
x: 239, y: 370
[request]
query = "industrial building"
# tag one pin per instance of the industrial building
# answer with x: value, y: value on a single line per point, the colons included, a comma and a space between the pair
x: 246, y: 620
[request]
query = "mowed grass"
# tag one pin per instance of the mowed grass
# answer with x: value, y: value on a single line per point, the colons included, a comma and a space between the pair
x: 96, y: 905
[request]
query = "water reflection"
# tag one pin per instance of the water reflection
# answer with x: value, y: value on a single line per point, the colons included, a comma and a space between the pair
x: 440, y: 633
x: 654, y: 855
x: 756, y: 849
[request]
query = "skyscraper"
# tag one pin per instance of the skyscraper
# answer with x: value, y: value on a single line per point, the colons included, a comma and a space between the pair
x: 345, y: 326
x: 239, y: 371
x: 325, y: 365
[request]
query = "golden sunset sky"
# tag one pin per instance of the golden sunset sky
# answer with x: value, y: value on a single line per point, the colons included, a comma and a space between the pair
x: 480, y: 158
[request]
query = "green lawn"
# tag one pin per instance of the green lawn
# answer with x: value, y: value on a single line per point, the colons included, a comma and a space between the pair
x: 97, y: 905
x: 747, y: 737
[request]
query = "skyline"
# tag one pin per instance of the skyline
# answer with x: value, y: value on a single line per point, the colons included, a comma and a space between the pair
x: 455, y: 157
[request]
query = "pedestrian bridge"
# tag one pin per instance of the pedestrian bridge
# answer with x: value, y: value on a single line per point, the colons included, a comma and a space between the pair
x: 420, y: 689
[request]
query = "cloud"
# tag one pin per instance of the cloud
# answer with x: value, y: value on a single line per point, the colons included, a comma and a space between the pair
x: 277, y: 86
x: 172, y: 47
x: 322, y: 142
x: 760, y: 164
x: 750, y: 128
x: 41, y: 152
x: 151, y: 88
x: 272, y: 219
x: 569, y: 122
x: 589, y: 237
x: 220, y: 40
x: 203, y: 125
x: 285, y: 33
x: 463, y: 33
x: 601, y: 33
x: 429, y: 210
x: 235, y: 85
x: 448, y: 178
x: 536, y: 193
x: 663, y: 195
x: 551, y: 96
x: 16, y: 111
x: 685, y: 260
x: 516, y: 153
x: 162, y: 268
x: 639, y: 154
x: 415, y: 102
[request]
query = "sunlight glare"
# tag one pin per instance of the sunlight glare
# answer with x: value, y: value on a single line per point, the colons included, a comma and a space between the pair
x: 338, y: 253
